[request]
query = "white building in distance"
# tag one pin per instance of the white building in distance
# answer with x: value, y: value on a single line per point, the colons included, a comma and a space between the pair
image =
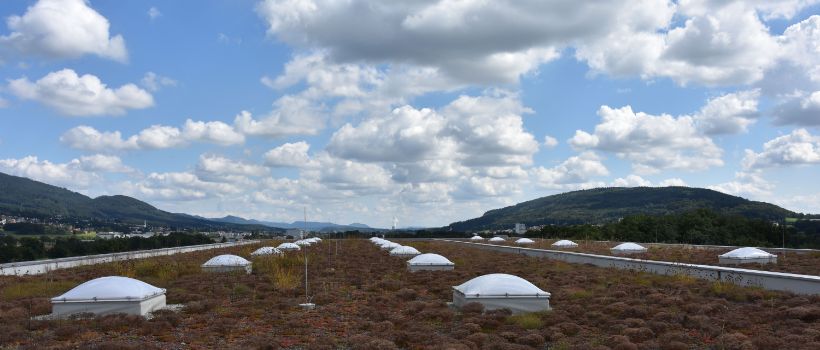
x: 520, y: 229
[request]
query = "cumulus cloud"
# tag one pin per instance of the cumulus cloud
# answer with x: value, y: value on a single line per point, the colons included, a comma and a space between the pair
x: 218, y: 165
x: 154, y: 137
x: 550, y: 141
x: 484, y: 130
x: 154, y: 82
x: 575, y: 172
x: 104, y: 163
x: 74, y: 95
x: 728, y: 114
x: 214, y: 132
x: 797, y: 148
x: 651, y: 143
x: 801, y: 109
x: 718, y: 43
x: 292, y: 115
x: 631, y: 180
x: 63, y: 29
x: 673, y: 182
x: 745, y: 184
x: 289, y: 155
x: 349, y: 175
x: 800, y: 44
x: 79, y: 173
x: 178, y: 186
x: 90, y: 139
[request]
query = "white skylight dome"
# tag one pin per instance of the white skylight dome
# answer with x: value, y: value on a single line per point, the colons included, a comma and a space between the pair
x: 429, y: 259
x: 266, y: 251
x: 524, y: 241
x: 227, y: 260
x: 110, y: 288
x: 747, y: 255
x: 227, y: 263
x: 287, y: 246
x: 389, y: 245
x: 497, y: 239
x: 502, y: 291
x: 303, y: 243
x: 404, y: 251
x: 565, y: 244
x: 628, y: 248
x: 476, y: 238
x: 499, y: 284
x: 109, y: 295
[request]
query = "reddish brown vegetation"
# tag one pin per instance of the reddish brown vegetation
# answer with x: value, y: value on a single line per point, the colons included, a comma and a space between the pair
x: 366, y: 300
x: 800, y: 263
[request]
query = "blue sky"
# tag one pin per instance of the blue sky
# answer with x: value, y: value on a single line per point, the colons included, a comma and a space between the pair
x: 431, y: 111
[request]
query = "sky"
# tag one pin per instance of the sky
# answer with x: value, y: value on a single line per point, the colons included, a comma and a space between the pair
x: 432, y: 111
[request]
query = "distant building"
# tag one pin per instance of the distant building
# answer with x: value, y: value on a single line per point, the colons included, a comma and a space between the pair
x: 520, y: 229
x: 109, y: 235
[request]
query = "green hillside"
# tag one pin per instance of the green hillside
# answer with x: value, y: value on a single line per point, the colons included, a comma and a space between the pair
x: 602, y: 205
x: 25, y: 197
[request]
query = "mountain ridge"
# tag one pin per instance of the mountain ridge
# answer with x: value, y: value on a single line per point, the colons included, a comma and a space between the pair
x: 311, y: 225
x: 26, y: 197
x: 607, y: 204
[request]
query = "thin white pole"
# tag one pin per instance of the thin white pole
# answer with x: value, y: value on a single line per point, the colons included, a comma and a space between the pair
x: 307, y: 300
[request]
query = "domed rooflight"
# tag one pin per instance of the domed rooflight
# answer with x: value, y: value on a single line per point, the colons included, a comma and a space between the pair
x: 111, y: 294
x: 502, y: 291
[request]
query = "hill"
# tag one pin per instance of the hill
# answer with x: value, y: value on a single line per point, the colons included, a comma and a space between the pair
x: 25, y: 197
x: 311, y: 225
x: 602, y: 205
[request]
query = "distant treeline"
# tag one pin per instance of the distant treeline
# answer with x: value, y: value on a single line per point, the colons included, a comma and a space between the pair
x: 31, y: 248
x: 700, y: 226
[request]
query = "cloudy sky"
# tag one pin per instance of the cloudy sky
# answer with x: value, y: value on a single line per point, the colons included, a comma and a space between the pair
x: 430, y: 110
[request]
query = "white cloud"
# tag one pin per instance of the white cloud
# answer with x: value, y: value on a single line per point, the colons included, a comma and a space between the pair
x: 73, y: 174
x: 631, y: 180
x: 801, y: 109
x: 214, y: 132
x: 289, y: 155
x: 223, y: 166
x: 63, y: 29
x: 84, y: 95
x: 718, y: 43
x: 348, y: 175
x: 745, y: 184
x: 158, y: 137
x: 154, y: 137
x: 651, y: 143
x: 673, y: 182
x: 154, y: 82
x: 576, y: 171
x: 798, y: 148
x: 521, y: 38
x: 178, y: 186
x: 104, y: 163
x: 428, y: 145
x: 153, y: 13
x: 292, y: 115
x: 550, y: 142
x: 728, y: 114
x: 87, y: 138
x: 800, y: 44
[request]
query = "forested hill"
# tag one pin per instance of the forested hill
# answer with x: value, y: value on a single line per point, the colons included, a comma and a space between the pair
x: 25, y: 197
x: 603, y: 205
